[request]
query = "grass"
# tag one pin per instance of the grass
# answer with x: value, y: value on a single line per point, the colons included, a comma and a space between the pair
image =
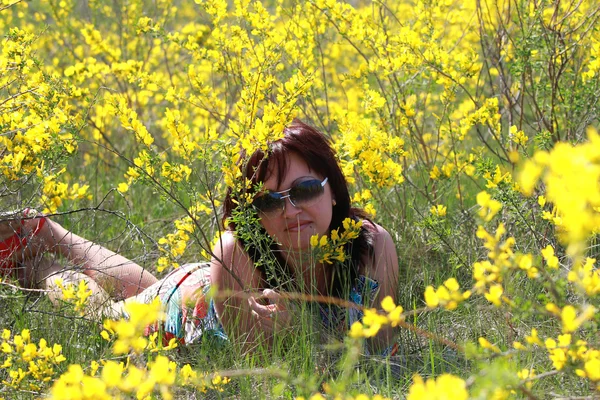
x: 131, y: 227
x: 427, y: 256
x: 430, y: 250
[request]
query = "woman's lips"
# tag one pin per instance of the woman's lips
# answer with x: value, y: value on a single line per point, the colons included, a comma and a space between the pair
x: 298, y: 226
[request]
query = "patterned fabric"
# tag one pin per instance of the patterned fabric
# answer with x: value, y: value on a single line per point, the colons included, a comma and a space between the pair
x: 341, y: 319
x: 190, y: 316
x: 338, y: 320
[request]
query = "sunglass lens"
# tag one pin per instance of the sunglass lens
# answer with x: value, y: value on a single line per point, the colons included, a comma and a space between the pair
x: 306, y: 191
x: 268, y: 203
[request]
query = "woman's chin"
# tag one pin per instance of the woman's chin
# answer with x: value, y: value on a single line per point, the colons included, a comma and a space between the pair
x: 297, y: 242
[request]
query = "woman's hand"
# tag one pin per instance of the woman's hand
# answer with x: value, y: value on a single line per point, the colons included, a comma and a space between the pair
x: 272, y: 317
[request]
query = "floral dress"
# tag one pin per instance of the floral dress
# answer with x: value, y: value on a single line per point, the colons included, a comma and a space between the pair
x: 191, y: 315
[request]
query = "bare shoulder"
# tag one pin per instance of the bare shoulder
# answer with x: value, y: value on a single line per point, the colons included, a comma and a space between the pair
x: 233, y: 274
x: 231, y: 266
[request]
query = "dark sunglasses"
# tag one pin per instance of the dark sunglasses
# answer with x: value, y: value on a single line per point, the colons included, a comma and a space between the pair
x: 302, y: 194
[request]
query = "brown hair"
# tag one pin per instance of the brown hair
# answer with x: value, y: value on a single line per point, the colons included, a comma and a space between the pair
x: 315, y: 149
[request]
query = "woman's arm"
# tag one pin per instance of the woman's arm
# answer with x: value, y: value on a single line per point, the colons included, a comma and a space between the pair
x: 245, y: 320
x: 384, y: 269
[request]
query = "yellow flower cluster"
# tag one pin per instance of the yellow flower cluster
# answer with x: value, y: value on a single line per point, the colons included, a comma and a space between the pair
x: 486, y: 344
x: 275, y: 116
x: 376, y: 153
x: 570, y: 321
x: 78, y: 298
x: 487, y: 114
x: 31, y: 130
x: 489, y: 206
x: 117, y: 380
x: 362, y: 199
x: 551, y: 259
x: 488, y: 274
x: 401, y: 88
x: 175, y: 173
x: 373, y: 321
x: 586, y: 277
x: 563, y: 350
x: 558, y: 351
x: 28, y: 366
x: 331, y: 249
x: 438, y: 210
x: 54, y: 192
x: 173, y: 245
x: 567, y: 170
x: 518, y: 136
x: 319, y: 396
x: 494, y: 179
x: 500, y: 254
x: 446, y: 386
x: 447, y: 295
x: 527, y: 374
x: 37, y: 121
x: 130, y: 120
x: 128, y: 333
x: 594, y: 64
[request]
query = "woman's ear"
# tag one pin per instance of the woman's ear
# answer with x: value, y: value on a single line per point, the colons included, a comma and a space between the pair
x: 333, y: 202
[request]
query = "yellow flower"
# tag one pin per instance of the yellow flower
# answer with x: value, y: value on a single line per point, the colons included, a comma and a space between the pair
x: 495, y: 295
x: 525, y: 262
x: 123, y: 187
x: 541, y: 201
x: 394, y: 312
x: 592, y: 369
x: 519, y: 346
x: 112, y: 373
x: 431, y: 299
x: 356, y: 330
x: 558, y: 351
x: 446, y: 386
x: 525, y: 374
x: 571, y: 322
x: 483, y: 342
x: 388, y: 304
x: 533, y: 338
x: 553, y: 308
x: 551, y: 259
x: 489, y: 206
x: 314, y: 240
x: 586, y: 277
x: 438, y: 211
x: 447, y: 295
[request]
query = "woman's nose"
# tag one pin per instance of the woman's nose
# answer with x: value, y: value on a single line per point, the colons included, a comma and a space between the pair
x: 289, y: 208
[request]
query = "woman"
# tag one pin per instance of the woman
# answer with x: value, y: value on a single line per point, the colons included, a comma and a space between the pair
x: 297, y: 190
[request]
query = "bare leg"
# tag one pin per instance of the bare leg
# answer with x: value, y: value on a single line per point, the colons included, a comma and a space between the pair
x: 116, y: 274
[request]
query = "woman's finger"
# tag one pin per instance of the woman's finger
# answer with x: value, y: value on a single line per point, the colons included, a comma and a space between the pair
x: 272, y: 295
x: 263, y: 311
x: 276, y: 299
x: 272, y: 317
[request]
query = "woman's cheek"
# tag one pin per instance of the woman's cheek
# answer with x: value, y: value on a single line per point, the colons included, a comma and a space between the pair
x: 273, y: 229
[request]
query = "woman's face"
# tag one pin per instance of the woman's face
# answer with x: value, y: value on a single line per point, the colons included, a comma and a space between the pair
x: 294, y: 226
